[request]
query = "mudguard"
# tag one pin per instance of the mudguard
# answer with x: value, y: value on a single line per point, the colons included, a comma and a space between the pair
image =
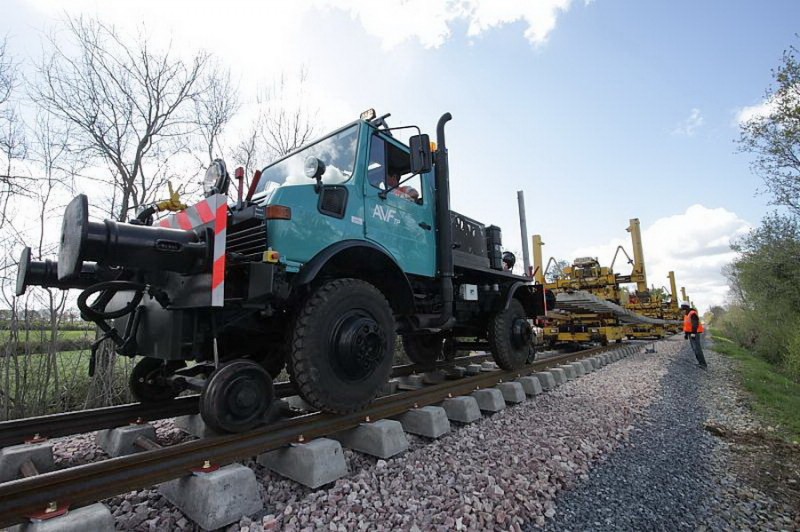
x: 532, y: 298
x: 363, y: 260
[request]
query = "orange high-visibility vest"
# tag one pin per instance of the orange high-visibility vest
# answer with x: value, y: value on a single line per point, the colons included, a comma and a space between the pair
x: 687, y: 322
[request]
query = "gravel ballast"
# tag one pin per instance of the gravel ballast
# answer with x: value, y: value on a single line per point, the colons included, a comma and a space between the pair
x: 498, y: 473
x: 621, y: 448
x: 673, y: 473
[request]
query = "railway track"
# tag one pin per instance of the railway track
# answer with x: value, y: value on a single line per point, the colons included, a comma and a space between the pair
x: 52, y: 426
x: 96, y: 481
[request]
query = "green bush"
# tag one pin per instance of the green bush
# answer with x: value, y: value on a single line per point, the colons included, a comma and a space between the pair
x: 792, y: 360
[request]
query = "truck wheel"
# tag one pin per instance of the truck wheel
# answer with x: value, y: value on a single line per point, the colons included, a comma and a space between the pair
x: 343, y: 346
x: 148, y: 380
x: 237, y: 397
x: 510, y: 335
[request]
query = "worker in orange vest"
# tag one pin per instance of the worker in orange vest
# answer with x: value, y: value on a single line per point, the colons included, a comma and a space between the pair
x: 692, y: 329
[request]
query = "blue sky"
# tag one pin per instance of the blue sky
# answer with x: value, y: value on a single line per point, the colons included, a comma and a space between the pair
x: 599, y: 111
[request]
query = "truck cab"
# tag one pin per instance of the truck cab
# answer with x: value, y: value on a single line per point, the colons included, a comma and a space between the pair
x: 354, y: 201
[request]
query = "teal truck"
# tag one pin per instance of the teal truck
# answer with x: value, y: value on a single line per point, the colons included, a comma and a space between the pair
x: 332, y: 252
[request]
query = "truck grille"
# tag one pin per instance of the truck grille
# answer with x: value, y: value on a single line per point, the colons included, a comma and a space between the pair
x: 248, y: 239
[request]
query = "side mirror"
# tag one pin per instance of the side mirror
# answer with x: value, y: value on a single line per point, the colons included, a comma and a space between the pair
x: 421, y: 159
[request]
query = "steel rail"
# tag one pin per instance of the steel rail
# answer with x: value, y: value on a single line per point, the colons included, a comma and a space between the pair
x: 96, y: 481
x: 18, y: 431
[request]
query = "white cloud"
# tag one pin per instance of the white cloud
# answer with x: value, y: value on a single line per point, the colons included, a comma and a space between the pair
x: 540, y: 16
x: 691, y: 124
x: 392, y: 21
x: 759, y: 110
x: 429, y: 21
x: 694, y: 244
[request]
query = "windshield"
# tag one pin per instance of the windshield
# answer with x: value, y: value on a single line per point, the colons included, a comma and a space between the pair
x: 338, y: 152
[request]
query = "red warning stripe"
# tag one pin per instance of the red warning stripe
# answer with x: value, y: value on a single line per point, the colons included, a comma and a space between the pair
x: 211, y: 210
x: 183, y: 220
x: 204, y: 211
x: 218, y: 273
x: 222, y: 218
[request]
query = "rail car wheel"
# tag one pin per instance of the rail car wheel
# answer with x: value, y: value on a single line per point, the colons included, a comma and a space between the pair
x: 148, y: 382
x: 426, y: 349
x: 510, y: 335
x: 237, y: 397
x: 343, y: 346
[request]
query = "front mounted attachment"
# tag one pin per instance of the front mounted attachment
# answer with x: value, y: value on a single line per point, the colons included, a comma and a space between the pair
x: 129, y: 246
x: 45, y: 274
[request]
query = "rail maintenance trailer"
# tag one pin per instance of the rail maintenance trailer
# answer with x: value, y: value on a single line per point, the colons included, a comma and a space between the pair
x: 317, y: 268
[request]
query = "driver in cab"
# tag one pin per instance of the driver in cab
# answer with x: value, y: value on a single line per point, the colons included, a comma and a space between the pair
x: 405, y: 192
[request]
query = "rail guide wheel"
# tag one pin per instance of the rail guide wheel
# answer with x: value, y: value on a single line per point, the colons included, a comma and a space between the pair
x: 237, y: 397
x: 427, y: 349
x: 149, y: 380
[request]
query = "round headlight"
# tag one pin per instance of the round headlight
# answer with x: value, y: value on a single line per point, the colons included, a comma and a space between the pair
x: 213, y: 177
x: 313, y: 167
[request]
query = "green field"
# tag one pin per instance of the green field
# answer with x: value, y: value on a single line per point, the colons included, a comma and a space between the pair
x: 775, y: 397
x: 43, y: 336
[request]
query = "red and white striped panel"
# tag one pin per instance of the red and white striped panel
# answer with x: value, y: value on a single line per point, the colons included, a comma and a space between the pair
x: 213, y: 212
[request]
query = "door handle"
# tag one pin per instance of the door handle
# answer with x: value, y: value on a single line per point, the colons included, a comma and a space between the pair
x: 425, y: 226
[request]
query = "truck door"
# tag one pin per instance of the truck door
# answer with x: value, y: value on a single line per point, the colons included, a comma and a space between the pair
x: 399, y: 217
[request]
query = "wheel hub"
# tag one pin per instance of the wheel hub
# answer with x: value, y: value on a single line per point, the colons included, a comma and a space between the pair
x: 521, y: 333
x: 236, y: 397
x: 358, y: 346
x: 245, y: 396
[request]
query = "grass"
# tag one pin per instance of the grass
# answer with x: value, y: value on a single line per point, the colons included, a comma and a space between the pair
x: 44, y: 336
x: 40, y: 395
x: 776, y: 398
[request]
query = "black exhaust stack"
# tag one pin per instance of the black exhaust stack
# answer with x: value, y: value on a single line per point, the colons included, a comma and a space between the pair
x: 444, y: 236
x: 134, y: 247
x: 445, y: 230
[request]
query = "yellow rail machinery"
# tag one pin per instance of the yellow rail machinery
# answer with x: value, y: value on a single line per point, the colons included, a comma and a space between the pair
x: 672, y: 309
x: 580, y: 323
x: 643, y: 301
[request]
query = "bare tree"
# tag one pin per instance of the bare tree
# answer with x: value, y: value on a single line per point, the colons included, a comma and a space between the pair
x: 131, y: 109
x: 287, y: 119
x: 284, y: 122
x: 556, y: 270
x: 130, y: 106
x: 13, y: 144
x: 215, y: 105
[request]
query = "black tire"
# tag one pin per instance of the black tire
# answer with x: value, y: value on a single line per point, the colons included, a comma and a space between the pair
x: 237, y: 397
x: 343, y: 346
x: 147, y: 380
x: 510, y: 346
